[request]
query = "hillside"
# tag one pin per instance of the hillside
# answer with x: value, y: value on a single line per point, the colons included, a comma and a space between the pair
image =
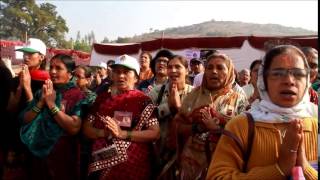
x: 223, y: 28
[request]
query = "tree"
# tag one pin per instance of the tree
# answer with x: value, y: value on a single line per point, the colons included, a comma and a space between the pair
x: 92, y: 38
x: 123, y: 40
x: 78, y: 36
x: 68, y: 44
x: 105, y: 40
x: 18, y: 18
x: 82, y: 44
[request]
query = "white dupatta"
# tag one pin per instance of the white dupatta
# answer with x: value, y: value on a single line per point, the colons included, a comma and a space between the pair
x: 268, y: 112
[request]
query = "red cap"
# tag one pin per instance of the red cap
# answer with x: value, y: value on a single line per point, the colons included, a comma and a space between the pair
x: 39, y: 75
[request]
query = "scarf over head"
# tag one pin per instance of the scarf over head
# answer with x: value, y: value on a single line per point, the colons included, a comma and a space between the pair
x: 267, y: 111
x: 202, y: 96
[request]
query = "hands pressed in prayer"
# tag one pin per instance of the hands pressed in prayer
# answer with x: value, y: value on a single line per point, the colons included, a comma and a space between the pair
x: 174, y: 97
x: 291, y: 151
x: 25, y: 78
x: 48, y: 94
x: 210, y: 122
x: 113, y: 126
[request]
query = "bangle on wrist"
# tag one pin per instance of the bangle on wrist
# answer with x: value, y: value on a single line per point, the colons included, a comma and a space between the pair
x: 129, y: 135
x: 54, y: 110
x: 279, y: 169
x: 36, y: 109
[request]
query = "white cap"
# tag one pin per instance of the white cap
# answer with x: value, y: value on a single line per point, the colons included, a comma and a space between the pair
x: 34, y: 46
x: 103, y: 65
x: 128, y: 62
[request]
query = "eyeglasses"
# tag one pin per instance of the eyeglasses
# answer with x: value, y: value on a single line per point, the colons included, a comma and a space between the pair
x: 313, y: 66
x: 163, y: 60
x: 110, y: 64
x: 281, y: 73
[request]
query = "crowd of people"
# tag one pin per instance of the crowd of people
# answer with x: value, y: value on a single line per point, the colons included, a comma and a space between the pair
x: 160, y: 117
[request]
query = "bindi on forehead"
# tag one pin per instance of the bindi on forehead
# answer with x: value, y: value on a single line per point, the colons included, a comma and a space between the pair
x: 287, y: 61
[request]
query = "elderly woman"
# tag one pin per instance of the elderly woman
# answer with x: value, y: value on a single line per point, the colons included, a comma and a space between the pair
x: 51, y: 121
x: 244, y: 77
x: 312, y: 58
x: 207, y: 107
x: 285, y: 124
x: 122, y: 125
x: 251, y: 89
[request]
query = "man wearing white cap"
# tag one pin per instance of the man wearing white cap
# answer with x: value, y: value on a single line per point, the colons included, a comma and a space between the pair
x: 34, y: 59
x: 24, y: 86
x: 34, y: 53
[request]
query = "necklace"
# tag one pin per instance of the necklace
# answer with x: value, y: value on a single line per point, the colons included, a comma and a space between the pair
x: 282, y: 134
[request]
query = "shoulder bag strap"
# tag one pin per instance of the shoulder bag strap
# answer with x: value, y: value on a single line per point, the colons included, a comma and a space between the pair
x: 159, y: 99
x: 246, y: 154
x: 226, y: 133
x: 250, y: 140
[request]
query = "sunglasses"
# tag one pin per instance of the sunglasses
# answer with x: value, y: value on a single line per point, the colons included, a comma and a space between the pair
x: 282, y: 73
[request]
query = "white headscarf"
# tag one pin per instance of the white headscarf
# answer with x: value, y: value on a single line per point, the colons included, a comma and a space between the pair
x: 267, y: 111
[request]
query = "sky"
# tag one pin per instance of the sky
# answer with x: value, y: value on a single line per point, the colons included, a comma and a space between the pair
x: 112, y: 19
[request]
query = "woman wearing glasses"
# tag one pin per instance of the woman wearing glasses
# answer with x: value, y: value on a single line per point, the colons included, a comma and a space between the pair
x: 159, y: 68
x: 285, y: 124
x: 82, y: 76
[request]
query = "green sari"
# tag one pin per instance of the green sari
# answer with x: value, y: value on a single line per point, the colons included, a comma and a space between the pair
x: 41, y: 134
